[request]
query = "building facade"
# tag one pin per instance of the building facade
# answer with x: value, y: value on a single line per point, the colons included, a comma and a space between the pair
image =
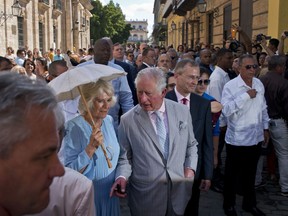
x: 189, y: 26
x: 46, y: 24
x: 139, y: 32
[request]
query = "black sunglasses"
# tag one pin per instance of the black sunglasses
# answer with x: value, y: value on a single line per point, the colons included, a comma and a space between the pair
x: 206, y: 82
x: 255, y: 66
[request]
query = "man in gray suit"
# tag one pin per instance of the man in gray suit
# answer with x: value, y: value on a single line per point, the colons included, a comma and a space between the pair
x: 160, y: 174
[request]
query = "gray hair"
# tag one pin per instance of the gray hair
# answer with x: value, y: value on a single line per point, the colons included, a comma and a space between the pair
x: 153, y: 73
x: 179, y: 68
x: 18, y: 95
x: 93, y: 90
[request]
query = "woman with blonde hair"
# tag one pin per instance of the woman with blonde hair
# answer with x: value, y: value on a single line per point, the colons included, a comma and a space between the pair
x: 81, y: 149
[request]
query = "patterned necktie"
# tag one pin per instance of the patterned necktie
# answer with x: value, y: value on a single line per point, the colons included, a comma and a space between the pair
x: 162, y: 133
x: 184, y: 101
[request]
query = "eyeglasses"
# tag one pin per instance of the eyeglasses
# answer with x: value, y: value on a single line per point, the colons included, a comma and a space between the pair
x: 248, y: 67
x: 206, y: 82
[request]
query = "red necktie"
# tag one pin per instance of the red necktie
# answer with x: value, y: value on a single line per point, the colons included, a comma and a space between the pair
x: 184, y: 101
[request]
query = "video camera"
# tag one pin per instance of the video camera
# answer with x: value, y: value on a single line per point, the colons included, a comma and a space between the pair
x: 234, y: 45
x: 260, y: 36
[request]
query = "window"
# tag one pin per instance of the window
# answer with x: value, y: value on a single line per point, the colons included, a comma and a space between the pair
x: 44, y: 1
x: 210, y: 28
x: 20, y: 21
x: 57, y: 4
x: 41, y: 37
x: 54, y: 34
x: 227, y: 21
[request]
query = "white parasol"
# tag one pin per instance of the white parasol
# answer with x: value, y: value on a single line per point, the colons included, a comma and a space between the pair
x: 67, y: 85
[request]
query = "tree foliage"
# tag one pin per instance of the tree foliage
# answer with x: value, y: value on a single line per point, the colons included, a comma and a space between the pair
x: 109, y: 21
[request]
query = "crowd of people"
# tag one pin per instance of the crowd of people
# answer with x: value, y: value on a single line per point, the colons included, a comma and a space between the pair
x: 163, y: 126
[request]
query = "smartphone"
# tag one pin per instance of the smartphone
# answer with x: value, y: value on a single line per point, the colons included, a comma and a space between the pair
x: 119, y: 189
x: 286, y: 33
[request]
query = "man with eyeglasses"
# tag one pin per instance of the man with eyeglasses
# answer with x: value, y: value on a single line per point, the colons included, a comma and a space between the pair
x: 164, y: 62
x: 245, y: 109
x: 276, y: 94
x: 187, y: 74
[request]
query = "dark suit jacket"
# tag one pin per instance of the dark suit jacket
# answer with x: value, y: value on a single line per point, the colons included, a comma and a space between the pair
x: 131, y: 75
x: 143, y: 66
x: 200, y: 110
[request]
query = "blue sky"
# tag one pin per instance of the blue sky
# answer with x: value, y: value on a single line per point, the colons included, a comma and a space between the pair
x: 137, y: 9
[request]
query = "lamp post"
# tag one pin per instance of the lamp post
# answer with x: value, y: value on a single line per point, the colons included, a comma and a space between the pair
x: 202, y: 5
x: 173, y: 27
x: 16, y: 11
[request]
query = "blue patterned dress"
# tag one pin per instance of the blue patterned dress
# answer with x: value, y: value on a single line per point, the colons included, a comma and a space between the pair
x: 77, y: 137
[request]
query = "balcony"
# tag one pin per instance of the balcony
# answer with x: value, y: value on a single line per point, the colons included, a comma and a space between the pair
x: 23, y: 3
x: 87, y: 4
x: 57, y: 9
x: 180, y: 7
x: 43, y: 6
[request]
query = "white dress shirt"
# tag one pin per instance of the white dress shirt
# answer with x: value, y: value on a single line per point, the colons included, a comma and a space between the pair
x: 218, y: 79
x: 153, y: 117
x: 71, y: 195
x: 246, y: 117
x: 180, y: 98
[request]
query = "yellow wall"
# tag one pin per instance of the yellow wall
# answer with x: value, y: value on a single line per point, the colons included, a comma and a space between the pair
x: 277, y: 19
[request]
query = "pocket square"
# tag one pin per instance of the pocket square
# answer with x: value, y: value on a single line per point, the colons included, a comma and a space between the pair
x: 182, y: 125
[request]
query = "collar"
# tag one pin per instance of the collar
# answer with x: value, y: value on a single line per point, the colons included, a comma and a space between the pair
x: 180, y: 97
x: 146, y: 64
x: 162, y: 109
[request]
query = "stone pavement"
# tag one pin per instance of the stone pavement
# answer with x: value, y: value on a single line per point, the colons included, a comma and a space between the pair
x: 269, y: 201
x: 268, y: 198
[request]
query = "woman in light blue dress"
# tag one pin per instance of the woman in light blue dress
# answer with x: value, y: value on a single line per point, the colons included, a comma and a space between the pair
x: 82, y: 151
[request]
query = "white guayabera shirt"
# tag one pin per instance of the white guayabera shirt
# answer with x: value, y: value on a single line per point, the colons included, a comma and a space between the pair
x: 246, y: 117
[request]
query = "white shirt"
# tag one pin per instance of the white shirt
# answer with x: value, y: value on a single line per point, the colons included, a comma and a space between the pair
x: 218, y: 79
x: 71, y: 194
x: 180, y: 98
x: 246, y: 117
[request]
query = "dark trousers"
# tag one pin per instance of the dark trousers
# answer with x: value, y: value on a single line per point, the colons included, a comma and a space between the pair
x: 192, y: 207
x: 241, y: 165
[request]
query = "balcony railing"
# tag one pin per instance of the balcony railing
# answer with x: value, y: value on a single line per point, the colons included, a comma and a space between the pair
x: 44, y: 1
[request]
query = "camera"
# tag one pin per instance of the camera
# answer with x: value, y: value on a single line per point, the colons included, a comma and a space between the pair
x: 286, y: 33
x: 259, y: 37
x: 234, y: 45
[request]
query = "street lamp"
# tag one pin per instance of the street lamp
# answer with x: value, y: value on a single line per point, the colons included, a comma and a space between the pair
x: 173, y: 25
x: 202, y: 5
x: 16, y: 11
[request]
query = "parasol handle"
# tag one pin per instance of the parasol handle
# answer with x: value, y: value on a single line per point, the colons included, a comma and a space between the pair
x: 94, y: 125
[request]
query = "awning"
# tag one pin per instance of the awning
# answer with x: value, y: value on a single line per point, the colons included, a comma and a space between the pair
x: 182, y: 6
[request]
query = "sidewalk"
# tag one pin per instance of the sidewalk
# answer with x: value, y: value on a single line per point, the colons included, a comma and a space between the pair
x: 269, y: 201
x: 268, y: 198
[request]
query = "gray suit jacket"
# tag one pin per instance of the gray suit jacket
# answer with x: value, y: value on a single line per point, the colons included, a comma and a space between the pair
x: 142, y: 162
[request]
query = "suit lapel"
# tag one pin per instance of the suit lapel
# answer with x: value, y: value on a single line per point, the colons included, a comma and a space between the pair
x: 171, y: 115
x: 143, y: 119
